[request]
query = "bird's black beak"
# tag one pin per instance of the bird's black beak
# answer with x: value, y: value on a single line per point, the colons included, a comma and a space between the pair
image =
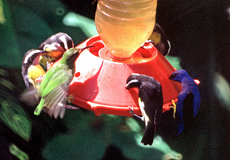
x: 82, y: 49
x: 79, y: 50
x: 44, y: 51
x: 172, y: 76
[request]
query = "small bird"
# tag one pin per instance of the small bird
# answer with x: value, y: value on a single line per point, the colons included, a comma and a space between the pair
x: 57, y: 44
x: 31, y: 68
x: 188, y: 102
x: 150, y: 102
x: 54, y: 87
x: 36, y: 61
x: 159, y: 39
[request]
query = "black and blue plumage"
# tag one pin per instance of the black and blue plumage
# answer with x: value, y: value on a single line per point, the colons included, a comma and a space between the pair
x: 188, y: 103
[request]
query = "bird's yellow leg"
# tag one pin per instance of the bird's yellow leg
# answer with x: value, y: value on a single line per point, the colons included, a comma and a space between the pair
x: 174, y: 108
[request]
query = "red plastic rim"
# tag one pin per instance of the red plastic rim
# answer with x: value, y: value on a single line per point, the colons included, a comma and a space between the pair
x: 99, y: 82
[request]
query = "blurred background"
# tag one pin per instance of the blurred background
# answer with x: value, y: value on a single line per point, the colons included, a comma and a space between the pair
x: 199, y: 32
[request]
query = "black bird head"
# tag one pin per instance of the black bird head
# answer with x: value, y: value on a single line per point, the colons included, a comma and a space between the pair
x: 148, y: 86
x: 133, y: 81
x: 54, y: 50
x: 57, y: 44
x: 31, y: 56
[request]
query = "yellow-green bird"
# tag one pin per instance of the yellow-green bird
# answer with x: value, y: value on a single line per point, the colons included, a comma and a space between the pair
x: 36, y: 61
x: 54, y: 87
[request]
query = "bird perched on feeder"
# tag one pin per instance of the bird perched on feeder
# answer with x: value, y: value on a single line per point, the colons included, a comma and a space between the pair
x: 150, y: 102
x: 54, y: 87
x: 57, y: 44
x: 36, y: 61
x: 188, y: 102
x: 31, y: 69
x: 159, y: 39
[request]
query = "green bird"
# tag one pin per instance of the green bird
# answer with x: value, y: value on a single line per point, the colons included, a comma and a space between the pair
x: 54, y: 87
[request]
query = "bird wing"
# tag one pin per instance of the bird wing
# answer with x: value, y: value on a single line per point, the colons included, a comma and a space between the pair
x: 48, y: 76
x: 149, y: 119
x: 144, y: 117
x: 53, y: 99
x: 151, y: 108
x: 61, y: 76
x: 196, y: 102
x: 54, y: 93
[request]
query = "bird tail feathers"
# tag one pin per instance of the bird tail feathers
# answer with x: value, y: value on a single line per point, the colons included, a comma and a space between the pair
x: 39, y: 108
x: 58, y: 95
x: 149, y: 134
x: 180, y: 128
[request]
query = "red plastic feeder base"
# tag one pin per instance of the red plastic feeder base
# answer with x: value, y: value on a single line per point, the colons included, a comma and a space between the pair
x: 99, y: 82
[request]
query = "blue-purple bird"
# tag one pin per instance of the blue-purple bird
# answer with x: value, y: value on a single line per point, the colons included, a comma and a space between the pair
x: 150, y: 102
x: 188, y: 103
